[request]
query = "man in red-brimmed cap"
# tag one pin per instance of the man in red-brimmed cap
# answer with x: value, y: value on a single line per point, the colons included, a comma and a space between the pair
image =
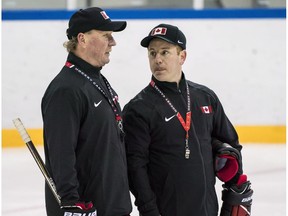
x: 83, y: 134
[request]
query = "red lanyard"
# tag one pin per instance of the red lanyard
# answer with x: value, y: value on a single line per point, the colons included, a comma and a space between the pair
x: 186, y: 125
x: 112, y: 103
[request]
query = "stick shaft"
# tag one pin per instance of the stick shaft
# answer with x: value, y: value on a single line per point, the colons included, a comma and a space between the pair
x: 26, y: 138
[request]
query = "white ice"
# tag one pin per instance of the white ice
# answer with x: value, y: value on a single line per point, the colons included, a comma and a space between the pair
x: 265, y: 165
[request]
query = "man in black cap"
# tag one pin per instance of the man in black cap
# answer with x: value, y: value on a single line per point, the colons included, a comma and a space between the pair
x: 83, y: 134
x: 178, y: 139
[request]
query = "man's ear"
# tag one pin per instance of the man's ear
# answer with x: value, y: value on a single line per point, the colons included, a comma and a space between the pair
x: 183, y: 55
x: 81, y: 39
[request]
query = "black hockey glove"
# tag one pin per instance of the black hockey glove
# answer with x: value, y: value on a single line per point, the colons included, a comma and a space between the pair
x: 227, y: 162
x: 78, y: 209
x: 237, y: 198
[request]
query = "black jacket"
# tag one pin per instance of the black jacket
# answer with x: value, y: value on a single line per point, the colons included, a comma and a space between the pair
x: 161, y: 179
x: 83, y: 149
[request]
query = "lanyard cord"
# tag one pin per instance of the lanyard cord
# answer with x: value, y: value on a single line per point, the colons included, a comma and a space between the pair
x: 112, y: 103
x: 186, y: 126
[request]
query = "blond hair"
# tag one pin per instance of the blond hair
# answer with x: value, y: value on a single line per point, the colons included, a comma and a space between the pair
x: 71, y: 45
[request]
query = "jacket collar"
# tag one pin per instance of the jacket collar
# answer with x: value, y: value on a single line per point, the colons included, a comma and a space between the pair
x: 171, y: 86
x: 84, y: 66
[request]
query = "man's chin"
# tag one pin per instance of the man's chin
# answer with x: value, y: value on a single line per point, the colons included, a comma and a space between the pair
x: 160, y: 76
x: 106, y: 62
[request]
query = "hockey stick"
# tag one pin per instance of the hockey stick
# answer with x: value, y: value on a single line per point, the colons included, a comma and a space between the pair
x: 26, y: 138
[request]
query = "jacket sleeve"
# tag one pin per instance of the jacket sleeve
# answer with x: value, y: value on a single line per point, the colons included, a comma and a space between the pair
x: 137, y: 140
x: 223, y: 130
x: 61, y: 112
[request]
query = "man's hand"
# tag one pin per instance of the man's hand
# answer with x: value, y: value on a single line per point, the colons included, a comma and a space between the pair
x: 78, y: 209
x: 237, y: 198
x: 228, y: 162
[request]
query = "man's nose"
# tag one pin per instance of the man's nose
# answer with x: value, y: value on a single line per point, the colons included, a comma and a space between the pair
x: 112, y: 42
x: 158, y: 58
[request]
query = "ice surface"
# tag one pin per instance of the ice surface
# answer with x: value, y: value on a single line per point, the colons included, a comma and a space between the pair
x: 265, y: 165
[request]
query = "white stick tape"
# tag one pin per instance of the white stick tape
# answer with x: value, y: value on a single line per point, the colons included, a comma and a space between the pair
x: 21, y: 129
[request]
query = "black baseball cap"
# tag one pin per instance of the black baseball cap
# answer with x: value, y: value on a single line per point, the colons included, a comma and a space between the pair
x: 168, y: 33
x: 85, y: 20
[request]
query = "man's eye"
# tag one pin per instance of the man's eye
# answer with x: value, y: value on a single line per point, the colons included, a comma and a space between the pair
x: 109, y: 37
x: 152, y: 54
x: 164, y: 52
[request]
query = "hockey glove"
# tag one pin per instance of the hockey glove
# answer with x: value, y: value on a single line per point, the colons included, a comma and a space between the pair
x: 78, y: 209
x: 228, y: 165
x: 237, y: 198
